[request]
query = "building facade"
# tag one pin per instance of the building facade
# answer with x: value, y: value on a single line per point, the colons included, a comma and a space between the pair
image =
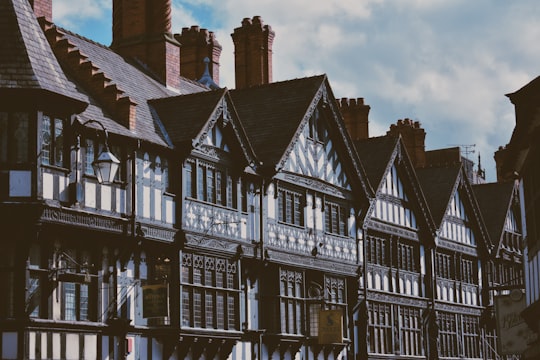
x: 260, y: 222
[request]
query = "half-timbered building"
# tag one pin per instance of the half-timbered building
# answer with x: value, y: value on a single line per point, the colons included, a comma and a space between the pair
x: 254, y: 223
x: 500, y: 207
x: 462, y: 247
x: 303, y: 273
x: 398, y: 237
x: 518, y: 162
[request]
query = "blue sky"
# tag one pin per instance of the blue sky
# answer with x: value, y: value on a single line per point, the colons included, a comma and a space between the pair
x: 445, y: 63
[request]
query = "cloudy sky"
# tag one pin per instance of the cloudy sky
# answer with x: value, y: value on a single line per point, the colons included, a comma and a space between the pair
x: 445, y: 63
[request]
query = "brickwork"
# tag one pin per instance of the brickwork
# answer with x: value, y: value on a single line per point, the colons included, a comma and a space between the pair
x: 142, y: 30
x: 198, y: 44
x: 355, y: 114
x: 42, y: 8
x: 253, y: 53
x: 414, y: 139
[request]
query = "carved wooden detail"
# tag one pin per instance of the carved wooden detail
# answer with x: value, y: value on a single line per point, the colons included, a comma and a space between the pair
x: 297, y: 240
x: 213, y: 221
x: 84, y: 219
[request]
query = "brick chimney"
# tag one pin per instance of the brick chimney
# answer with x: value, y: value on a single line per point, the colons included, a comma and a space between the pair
x: 198, y: 44
x: 142, y: 31
x: 42, y: 8
x: 253, y: 53
x: 414, y: 139
x: 355, y: 114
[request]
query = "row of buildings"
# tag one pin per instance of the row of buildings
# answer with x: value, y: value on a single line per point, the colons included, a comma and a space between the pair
x: 260, y: 222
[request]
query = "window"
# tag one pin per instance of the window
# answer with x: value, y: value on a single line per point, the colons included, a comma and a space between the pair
x: 471, y: 337
x: 335, y: 219
x: 445, y: 267
x: 210, y: 292
x: 290, y: 207
x: 468, y: 272
x: 406, y: 259
x: 210, y: 184
x: 410, y: 331
x: 380, y: 328
x: 14, y: 135
x: 393, y: 204
x: 52, y: 141
x: 448, y: 336
x: 377, y: 251
x: 75, y: 305
x: 291, y: 301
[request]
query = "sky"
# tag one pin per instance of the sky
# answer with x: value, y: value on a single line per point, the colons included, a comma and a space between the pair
x: 445, y: 63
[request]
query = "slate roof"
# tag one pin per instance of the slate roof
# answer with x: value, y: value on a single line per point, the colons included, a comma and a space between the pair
x: 26, y: 59
x: 272, y: 113
x: 494, y: 200
x: 375, y: 154
x: 135, y: 83
x: 184, y: 116
x: 437, y: 184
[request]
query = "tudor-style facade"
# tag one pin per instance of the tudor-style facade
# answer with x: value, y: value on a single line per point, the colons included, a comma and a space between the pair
x: 241, y: 224
x: 306, y: 262
x: 500, y: 207
x: 398, y: 236
x: 463, y: 247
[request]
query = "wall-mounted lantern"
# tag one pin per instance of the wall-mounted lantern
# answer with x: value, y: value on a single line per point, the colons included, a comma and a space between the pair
x: 106, y: 165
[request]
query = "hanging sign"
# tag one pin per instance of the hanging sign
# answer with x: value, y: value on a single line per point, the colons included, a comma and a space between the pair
x: 514, y: 334
x: 155, y: 300
x: 330, y: 326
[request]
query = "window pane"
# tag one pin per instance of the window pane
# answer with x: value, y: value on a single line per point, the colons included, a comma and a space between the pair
x: 70, y: 309
x: 46, y: 140
x: 58, y: 142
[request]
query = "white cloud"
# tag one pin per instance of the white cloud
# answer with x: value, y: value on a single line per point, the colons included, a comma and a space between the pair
x: 70, y: 12
x: 447, y: 63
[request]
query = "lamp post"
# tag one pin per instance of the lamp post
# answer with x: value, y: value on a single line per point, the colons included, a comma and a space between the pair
x: 106, y: 165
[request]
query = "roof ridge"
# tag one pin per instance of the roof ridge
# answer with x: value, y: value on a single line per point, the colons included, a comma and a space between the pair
x: 282, y: 82
x: 99, y: 84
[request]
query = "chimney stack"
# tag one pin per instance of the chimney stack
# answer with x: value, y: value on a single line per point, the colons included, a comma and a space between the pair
x: 42, y: 8
x: 253, y: 53
x: 142, y: 30
x: 355, y: 115
x: 414, y: 139
x: 198, y: 44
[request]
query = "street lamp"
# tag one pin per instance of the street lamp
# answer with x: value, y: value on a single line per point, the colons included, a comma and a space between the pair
x: 106, y: 165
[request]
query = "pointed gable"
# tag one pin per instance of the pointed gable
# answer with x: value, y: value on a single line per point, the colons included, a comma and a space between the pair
x: 272, y: 113
x: 453, y: 205
x: 390, y: 171
x: 495, y: 201
x: 314, y: 154
x: 279, y: 118
x: 202, y: 119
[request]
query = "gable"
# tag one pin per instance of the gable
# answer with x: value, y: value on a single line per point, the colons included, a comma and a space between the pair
x: 392, y: 204
x: 215, y: 138
x: 315, y: 155
x: 456, y: 225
